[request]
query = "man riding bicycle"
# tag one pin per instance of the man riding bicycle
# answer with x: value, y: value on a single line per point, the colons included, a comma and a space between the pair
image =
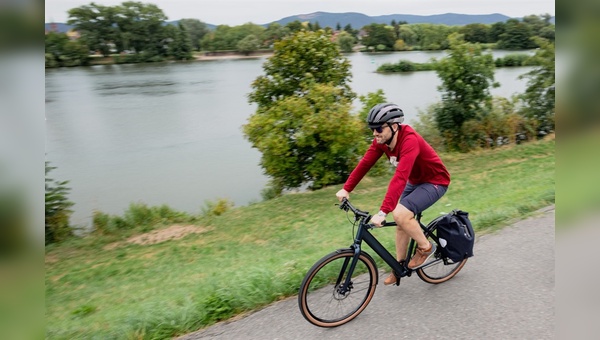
x: 420, y: 179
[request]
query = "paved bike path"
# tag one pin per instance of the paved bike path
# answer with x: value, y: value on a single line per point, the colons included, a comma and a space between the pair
x: 506, y: 291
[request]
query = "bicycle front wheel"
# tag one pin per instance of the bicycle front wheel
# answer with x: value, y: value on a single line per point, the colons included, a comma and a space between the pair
x: 321, y: 299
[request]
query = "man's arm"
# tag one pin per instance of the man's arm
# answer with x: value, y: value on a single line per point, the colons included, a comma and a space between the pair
x: 366, y: 163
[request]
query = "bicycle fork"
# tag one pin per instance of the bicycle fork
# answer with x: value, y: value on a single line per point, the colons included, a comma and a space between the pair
x: 347, y: 284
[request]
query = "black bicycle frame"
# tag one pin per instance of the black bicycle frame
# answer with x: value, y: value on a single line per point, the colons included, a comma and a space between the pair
x: 363, y: 234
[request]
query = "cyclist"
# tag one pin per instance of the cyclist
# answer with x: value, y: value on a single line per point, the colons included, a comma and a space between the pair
x: 419, y: 181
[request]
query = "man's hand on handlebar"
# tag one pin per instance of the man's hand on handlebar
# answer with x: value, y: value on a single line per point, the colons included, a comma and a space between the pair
x: 342, y: 194
x: 378, y: 220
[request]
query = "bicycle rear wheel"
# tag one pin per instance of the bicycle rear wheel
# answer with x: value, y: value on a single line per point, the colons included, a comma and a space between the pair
x: 321, y: 302
x: 439, y: 268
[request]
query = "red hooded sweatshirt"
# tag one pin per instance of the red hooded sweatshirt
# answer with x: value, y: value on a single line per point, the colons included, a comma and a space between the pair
x: 415, y: 160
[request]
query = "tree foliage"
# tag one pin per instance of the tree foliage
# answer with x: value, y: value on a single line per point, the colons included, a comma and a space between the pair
x: 379, y: 34
x: 274, y: 32
x: 501, y: 125
x: 467, y: 76
x: 517, y: 36
x: 133, y: 27
x: 97, y: 26
x: 346, y: 41
x: 61, y: 51
x: 180, y: 47
x: 58, y: 211
x: 303, y: 126
x: 226, y: 37
x: 248, y: 45
x: 476, y: 33
x: 309, y: 138
x: 196, y: 30
x: 303, y: 57
x: 539, y: 96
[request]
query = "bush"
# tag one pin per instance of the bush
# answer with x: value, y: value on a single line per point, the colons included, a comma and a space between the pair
x: 139, y: 216
x: 500, y: 126
x: 57, y: 227
x: 405, y: 66
x: 511, y: 60
x: 426, y: 126
x: 217, y: 208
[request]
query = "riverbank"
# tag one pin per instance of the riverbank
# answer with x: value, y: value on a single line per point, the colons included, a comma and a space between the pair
x: 400, y: 66
x: 199, y: 56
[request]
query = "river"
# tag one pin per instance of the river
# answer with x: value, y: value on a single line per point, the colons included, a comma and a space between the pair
x: 170, y: 133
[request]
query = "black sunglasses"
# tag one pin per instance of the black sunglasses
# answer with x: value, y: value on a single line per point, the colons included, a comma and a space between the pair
x: 379, y: 129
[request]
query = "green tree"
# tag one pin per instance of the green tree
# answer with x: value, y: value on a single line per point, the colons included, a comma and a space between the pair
x: 496, y: 31
x: 58, y: 211
x: 539, y: 96
x: 433, y: 37
x: 379, y: 34
x: 467, y: 76
x: 476, y: 33
x: 142, y: 29
x: 517, y: 36
x: 196, y: 29
x: 227, y: 37
x: 180, y: 48
x: 248, y: 45
x: 295, y: 26
x: 346, y: 41
x: 296, y: 59
x: 408, y: 35
x: 348, y: 28
x: 273, y: 33
x: 307, y: 139
x: 60, y: 51
x: 302, y: 124
x: 97, y: 26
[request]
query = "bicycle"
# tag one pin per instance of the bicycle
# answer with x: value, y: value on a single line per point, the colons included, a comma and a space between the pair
x: 340, y: 285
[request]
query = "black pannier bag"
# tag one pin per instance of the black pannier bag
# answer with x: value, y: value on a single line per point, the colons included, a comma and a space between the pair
x: 455, y: 234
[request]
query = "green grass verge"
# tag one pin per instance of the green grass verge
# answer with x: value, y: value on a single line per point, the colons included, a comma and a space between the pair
x: 254, y: 255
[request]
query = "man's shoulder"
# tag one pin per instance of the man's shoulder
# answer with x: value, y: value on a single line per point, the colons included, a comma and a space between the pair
x: 408, y: 129
x: 409, y: 132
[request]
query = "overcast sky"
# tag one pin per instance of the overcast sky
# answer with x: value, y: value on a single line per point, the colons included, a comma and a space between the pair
x: 237, y: 12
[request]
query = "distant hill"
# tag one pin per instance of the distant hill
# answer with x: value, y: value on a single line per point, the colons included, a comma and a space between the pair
x: 57, y: 27
x: 358, y: 20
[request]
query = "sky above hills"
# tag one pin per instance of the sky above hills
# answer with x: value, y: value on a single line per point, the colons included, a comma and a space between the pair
x: 237, y: 12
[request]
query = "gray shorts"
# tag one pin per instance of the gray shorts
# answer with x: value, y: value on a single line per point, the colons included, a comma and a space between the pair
x: 417, y: 198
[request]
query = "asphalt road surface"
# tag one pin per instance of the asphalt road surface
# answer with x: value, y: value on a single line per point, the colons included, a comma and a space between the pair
x: 506, y: 291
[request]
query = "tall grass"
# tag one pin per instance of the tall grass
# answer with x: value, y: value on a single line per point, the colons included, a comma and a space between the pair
x: 104, y: 287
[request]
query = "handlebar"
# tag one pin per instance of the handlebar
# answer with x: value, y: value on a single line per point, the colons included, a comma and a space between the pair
x: 347, y: 206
